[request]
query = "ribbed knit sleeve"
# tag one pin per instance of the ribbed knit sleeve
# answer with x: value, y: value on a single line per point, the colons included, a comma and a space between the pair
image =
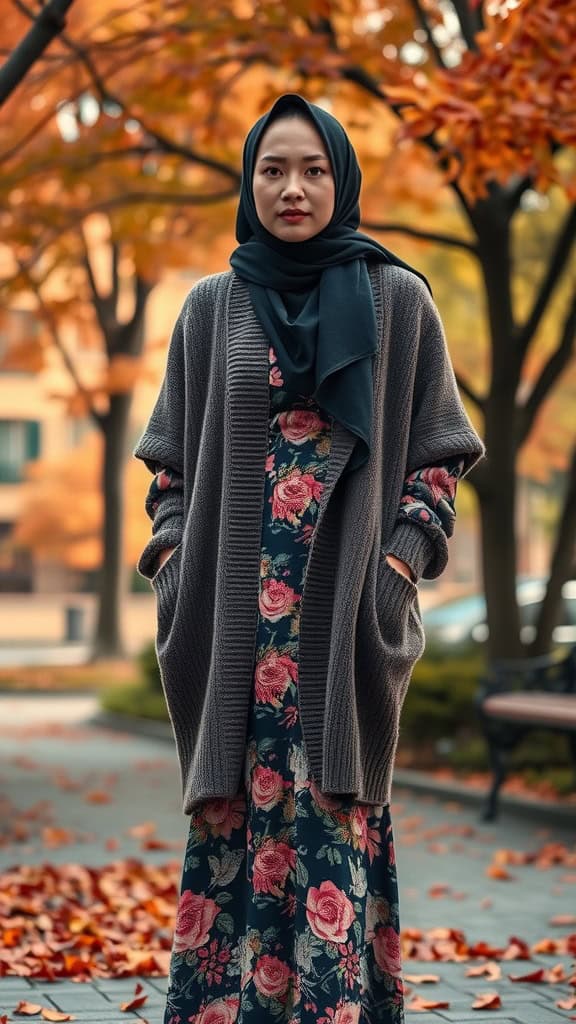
x: 161, y: 448
x: 164, y: 506
x: 428, y: 505
x: 442, y: 441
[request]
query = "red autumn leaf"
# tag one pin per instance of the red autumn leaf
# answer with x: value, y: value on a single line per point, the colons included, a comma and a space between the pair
x: 419, y: 1005
x: 97, y: 796
x: 26, y: 1009
x: 556, y: 974
x: 566, y: 1004
x: 560, y: 920
x: 137, y: 1000
x: 487, y: 1001
x: 56, y: 1015
x: 534, y: 976
x: 517, y: 950
x: 421, y: 979
x: 491, y: 970
x: 499, y: 874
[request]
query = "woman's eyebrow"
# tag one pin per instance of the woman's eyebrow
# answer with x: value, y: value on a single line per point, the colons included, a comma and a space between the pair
x: 282, y: 159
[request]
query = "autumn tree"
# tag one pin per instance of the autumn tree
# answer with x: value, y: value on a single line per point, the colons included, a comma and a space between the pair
x: 464, y: 100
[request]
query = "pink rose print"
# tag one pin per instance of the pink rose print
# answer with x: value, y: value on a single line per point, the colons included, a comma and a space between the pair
x: 267, y: 787
x: 276, y: 379
x: 299, y: 426
x: 349, y: 1013
x: 269, y: 466
x: 271, y: 976
x: 272, y: 677
x: 276, y: 599
x: 293, y: 493
x: 387, y: 951
x: 195, y: 917
x: 222, y: 815
x: 329, y: 912
x: 364, y: 838
x: 219, y: 1011
x: 438, y: 479
x: 324, y: 800
x: 272, y: 862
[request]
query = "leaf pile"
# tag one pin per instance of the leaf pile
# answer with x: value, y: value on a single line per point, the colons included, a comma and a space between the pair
x: 71, y: 921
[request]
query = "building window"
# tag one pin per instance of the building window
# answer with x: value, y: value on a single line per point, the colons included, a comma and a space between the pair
x: 19, y: 443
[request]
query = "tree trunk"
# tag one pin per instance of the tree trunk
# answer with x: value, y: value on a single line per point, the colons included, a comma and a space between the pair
x: 497, y: 516
x: 498, y: 497
x: 561, y: 567
x: 107, y: 642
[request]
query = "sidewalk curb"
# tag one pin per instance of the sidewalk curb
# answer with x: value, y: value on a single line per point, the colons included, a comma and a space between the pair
x: 147, y: 727
x: 406, y: 779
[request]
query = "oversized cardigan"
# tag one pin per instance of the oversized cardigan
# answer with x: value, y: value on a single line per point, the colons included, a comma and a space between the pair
x: 360, y: 626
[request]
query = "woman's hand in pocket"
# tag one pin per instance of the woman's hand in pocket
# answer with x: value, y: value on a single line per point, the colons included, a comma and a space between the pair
x: 163, y: 557
x: 400, y: 566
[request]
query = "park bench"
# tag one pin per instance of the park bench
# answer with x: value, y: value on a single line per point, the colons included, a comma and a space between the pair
x: 516, y: 696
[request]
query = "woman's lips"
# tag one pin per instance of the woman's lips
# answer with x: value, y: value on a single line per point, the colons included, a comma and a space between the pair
x: 293, y: 218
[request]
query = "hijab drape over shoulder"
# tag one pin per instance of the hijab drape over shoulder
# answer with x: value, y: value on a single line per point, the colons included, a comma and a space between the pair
x: 314, y: 298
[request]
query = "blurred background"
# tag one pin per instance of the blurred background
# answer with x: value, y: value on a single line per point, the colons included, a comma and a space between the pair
x: 120, y: 154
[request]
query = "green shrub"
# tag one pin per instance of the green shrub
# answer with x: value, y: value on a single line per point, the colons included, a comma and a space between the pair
x: 149, y: 668
x: 440, y: 698
x: 136, y: 701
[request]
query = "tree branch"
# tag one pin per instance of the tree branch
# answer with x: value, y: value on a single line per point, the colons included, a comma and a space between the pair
x: 551, y: 371
x: 118, y: 201
x: 427, y: 236
x: 421, y: 16
x: 48, y: 23
x: 558, y: 261
x: 468, y: 26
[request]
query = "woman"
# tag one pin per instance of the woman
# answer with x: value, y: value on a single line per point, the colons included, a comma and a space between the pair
x: 306, y: 444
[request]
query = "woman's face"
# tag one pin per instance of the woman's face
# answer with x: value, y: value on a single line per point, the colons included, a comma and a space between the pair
x: 293, y: 173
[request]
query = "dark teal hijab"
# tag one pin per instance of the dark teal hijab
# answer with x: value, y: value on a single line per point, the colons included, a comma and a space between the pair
x: 314, y: 298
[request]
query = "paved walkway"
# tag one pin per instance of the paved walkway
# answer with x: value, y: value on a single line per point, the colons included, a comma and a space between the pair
x: 439, y: 844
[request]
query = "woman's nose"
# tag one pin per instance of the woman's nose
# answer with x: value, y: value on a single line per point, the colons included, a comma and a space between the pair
x: 293, y: 187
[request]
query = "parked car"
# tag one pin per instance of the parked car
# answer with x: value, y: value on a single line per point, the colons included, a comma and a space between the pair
x: 463, y: 620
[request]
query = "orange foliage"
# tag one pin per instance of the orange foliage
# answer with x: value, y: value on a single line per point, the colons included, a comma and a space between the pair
x: 54, y: 526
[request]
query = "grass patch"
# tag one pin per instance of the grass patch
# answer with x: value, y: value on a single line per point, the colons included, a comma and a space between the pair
x: 95, y: 676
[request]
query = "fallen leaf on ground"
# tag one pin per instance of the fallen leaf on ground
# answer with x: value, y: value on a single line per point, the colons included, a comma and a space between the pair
x: 421, y: 979
x: 98, y: 796
x: 560, y: 920
x: 490, y: 970
x: 499, y: 874
x: 487, y: 1001
x: 137, y: 1000
x: 534, y: 976
x: 419, y: 1005
x: 56, y: 1015
x: 567, y: 1004
x: 26, y: 1009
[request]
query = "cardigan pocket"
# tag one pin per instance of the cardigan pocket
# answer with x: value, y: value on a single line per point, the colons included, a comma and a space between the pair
x: 165, y: 582
x: 398, y: 613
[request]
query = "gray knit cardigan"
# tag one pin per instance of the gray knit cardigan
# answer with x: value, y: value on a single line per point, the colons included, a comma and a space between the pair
x: 360, y: 626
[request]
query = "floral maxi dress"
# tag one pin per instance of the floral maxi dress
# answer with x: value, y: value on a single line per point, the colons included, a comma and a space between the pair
x: 288, y: 909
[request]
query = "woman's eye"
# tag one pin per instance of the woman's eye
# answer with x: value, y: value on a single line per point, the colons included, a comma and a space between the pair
x: 319, y: 169
x: 268, y: 174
